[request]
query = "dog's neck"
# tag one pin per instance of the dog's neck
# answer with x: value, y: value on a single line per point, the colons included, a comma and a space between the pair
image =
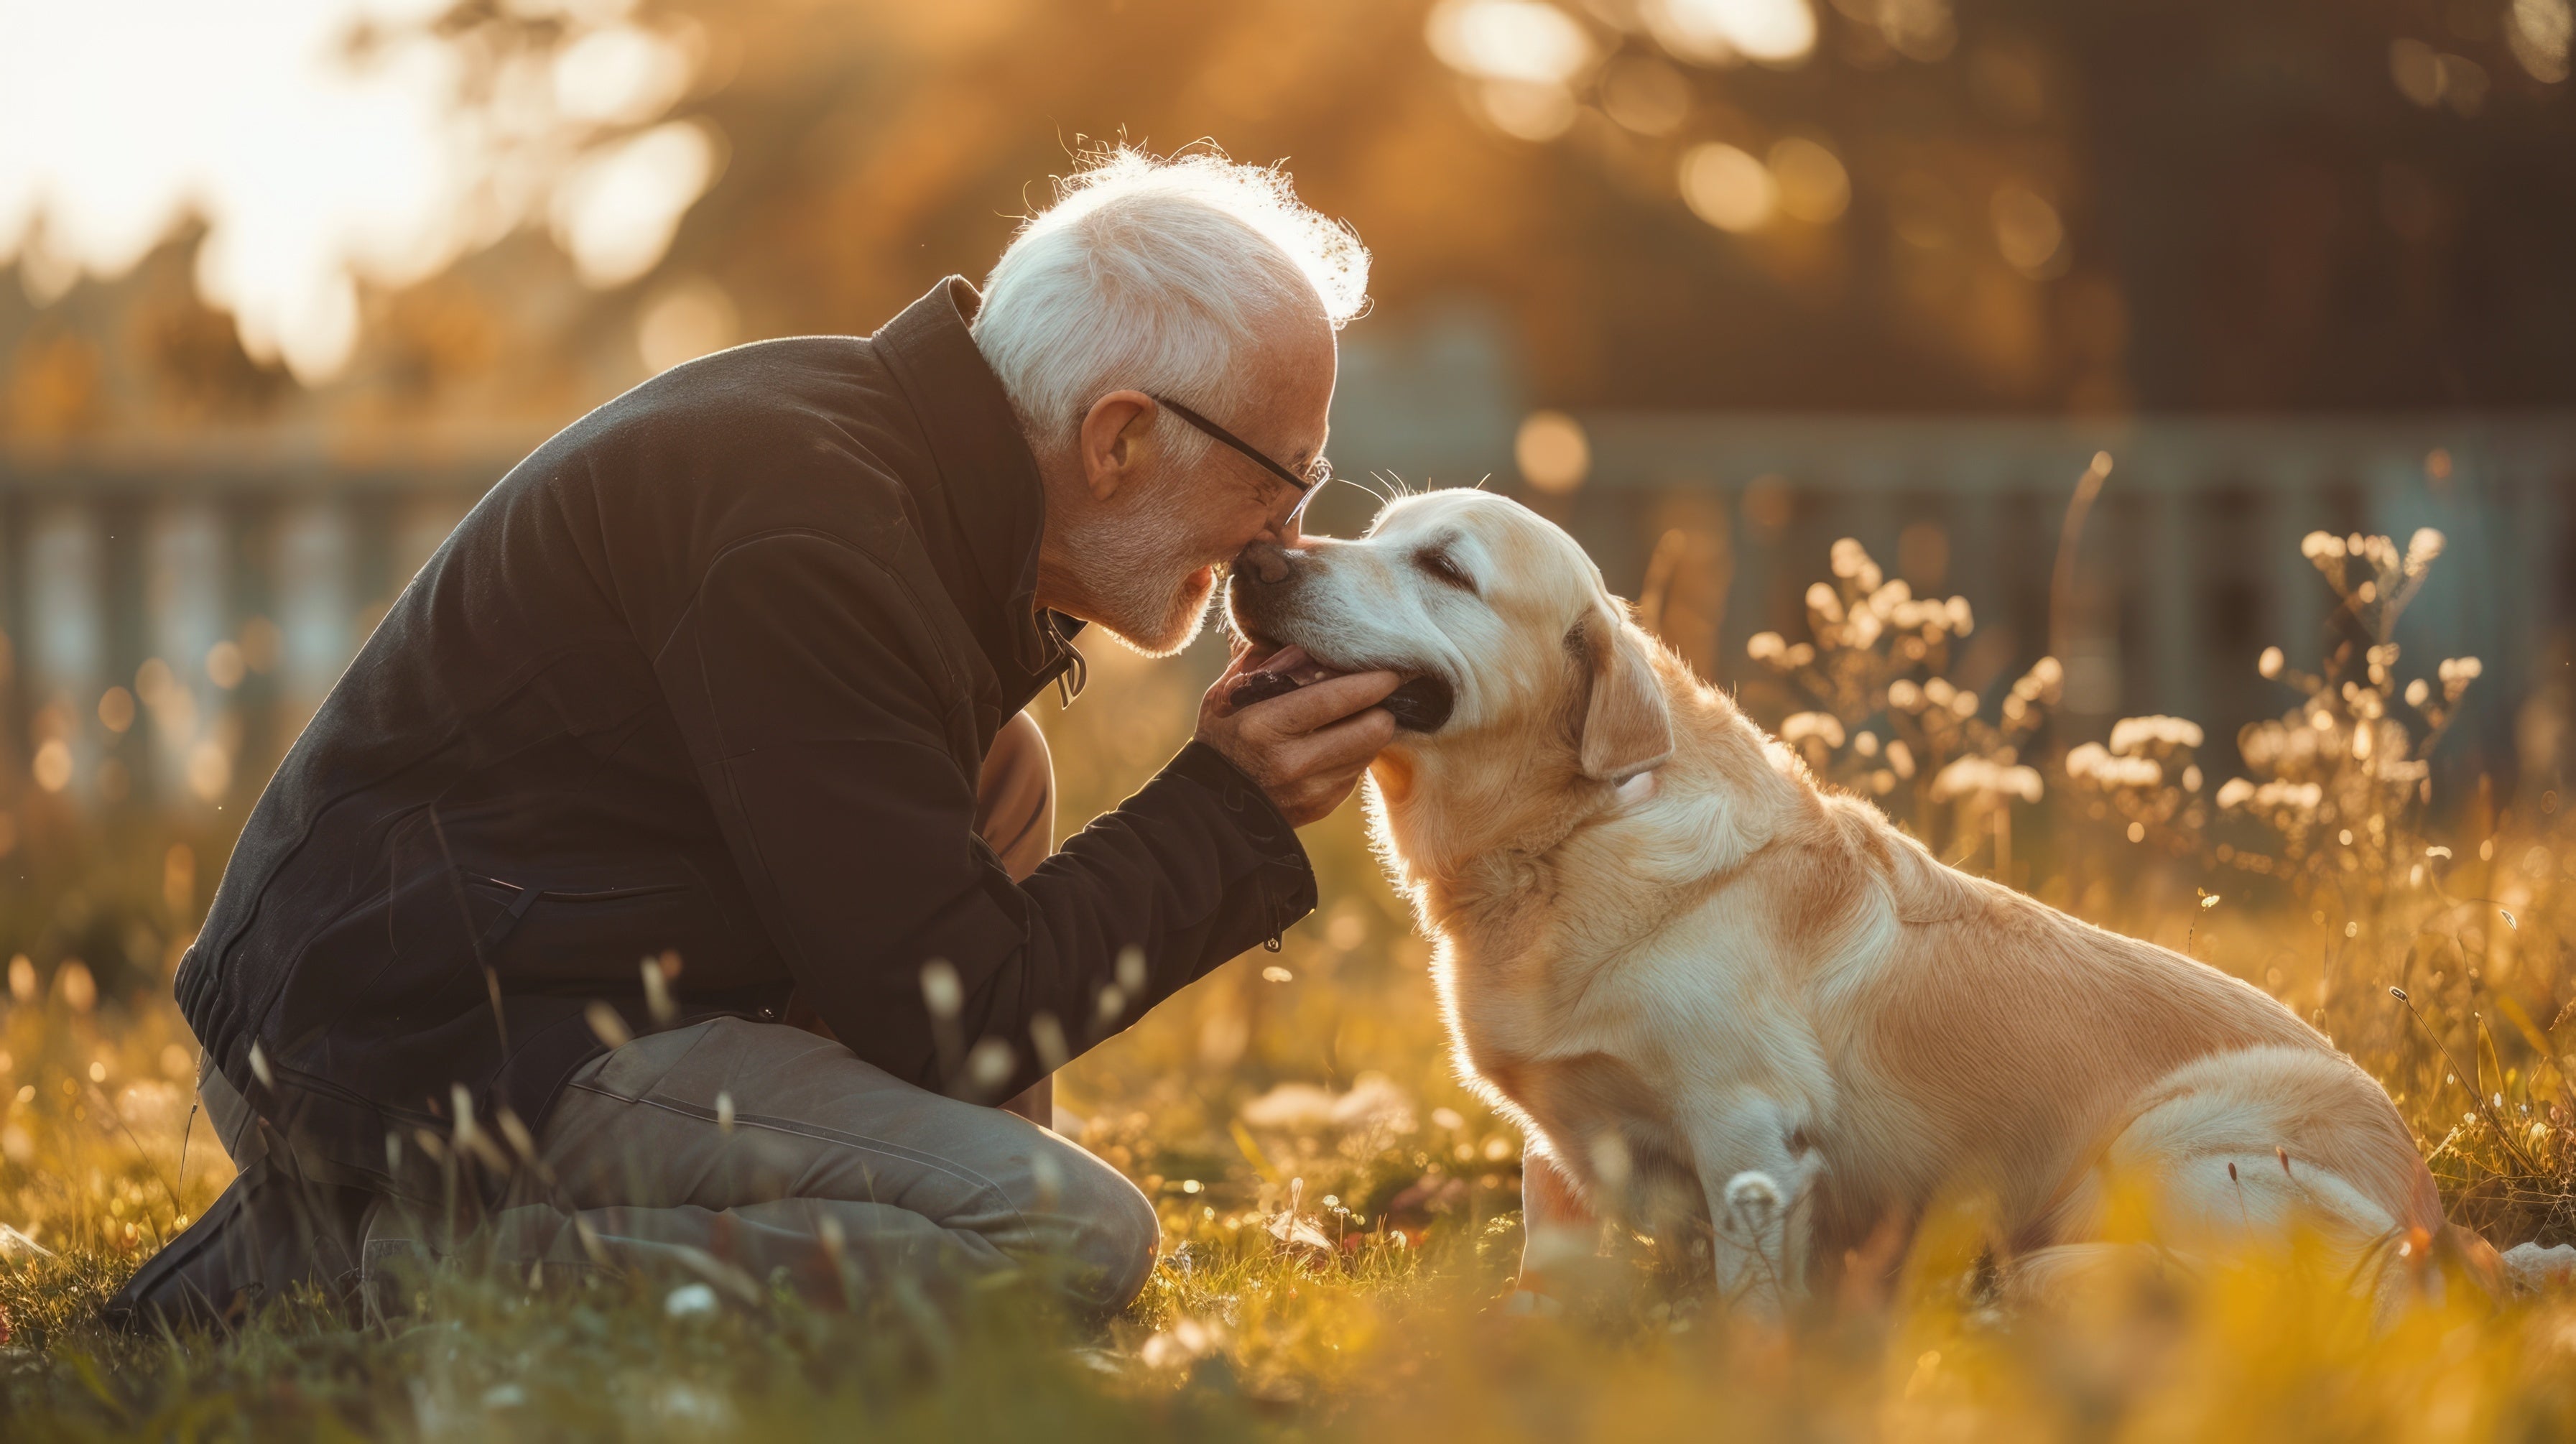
x: 1460, y: 824
x: 1445, y: 806
x: 1476, y: 829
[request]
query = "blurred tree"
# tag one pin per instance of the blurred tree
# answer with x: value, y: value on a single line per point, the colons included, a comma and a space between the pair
x: 1678, y: 203
x: 2171, y: 206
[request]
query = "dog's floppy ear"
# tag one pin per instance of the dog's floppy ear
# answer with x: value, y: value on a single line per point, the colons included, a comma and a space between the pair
x: 1626, y: 726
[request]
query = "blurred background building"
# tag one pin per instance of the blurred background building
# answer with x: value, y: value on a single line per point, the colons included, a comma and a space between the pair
x: 1712, y: 281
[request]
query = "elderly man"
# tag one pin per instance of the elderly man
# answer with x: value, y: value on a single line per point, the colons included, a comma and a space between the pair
x: 706, y: 723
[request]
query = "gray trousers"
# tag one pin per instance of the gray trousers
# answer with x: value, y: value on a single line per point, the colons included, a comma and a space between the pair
x: 739, y: 1150
x: 743, y: 1150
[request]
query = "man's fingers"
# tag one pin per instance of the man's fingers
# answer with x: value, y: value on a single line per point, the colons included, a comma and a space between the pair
x: 1342, y: 747
x: 1308, y: 747
x: 1356, y: 740
x: 1319, y: 703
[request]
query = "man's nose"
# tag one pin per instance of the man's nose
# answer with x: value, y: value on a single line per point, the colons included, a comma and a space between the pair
x: 1263, y: 564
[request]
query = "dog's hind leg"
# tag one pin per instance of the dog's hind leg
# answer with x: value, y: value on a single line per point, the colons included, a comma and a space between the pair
x: 2247, y: 1146
x: 2280, y: 1150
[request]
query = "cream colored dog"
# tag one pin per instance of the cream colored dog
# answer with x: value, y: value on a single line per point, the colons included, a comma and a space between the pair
x: 1709, y: 989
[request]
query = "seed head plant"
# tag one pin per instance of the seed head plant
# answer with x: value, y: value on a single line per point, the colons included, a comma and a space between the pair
x: 1881, y: 660
x: 2146, y: 780
x: 2341, y: 782
x: 2340, y: 785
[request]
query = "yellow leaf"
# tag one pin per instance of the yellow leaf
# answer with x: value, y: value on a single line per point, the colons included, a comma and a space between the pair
x: 2490, y: 1067
x: 1251, y: 1150
x: 2522, y: 1024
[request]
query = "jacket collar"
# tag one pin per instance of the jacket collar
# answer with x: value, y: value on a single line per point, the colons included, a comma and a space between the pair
x: 984, y: 508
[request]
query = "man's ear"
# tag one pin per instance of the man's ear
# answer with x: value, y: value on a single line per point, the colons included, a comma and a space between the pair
x: 1627, y: 726
x: 1108, y: 440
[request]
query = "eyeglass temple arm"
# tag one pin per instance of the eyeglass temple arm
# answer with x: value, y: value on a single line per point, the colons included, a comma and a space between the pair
x: 1237, y: 442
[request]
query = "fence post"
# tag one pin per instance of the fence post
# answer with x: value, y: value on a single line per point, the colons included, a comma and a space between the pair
x: 66, y: 645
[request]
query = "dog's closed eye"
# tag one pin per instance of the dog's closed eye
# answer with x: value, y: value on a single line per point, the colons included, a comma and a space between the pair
x: 1445, y: 567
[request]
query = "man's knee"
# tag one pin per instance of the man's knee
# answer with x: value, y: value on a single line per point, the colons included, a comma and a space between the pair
x: 1104, y: 1227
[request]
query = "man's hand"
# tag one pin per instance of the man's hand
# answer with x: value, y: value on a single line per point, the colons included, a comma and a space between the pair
x: 1308, y: 748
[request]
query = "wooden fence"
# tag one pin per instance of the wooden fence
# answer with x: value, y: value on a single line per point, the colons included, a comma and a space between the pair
x: 173, y: 614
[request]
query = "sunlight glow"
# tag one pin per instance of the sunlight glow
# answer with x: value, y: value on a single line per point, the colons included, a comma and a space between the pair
x: 318, y: 166
x: 619, y: 76
x: 615, y: 215
x: 1719, y: 32
x: 1510, y: 40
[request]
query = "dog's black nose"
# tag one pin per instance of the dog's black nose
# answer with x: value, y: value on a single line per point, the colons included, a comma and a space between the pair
x: 1263, y: 563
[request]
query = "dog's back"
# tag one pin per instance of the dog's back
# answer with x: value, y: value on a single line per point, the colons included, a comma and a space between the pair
x: 2023, y: 1046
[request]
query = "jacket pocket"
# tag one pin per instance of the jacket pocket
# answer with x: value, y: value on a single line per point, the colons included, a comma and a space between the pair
x: 541, y: 934
x: 575, y: 926
x: 508, y: 904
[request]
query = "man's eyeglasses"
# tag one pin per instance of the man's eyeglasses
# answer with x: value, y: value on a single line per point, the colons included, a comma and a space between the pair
x: 1317, y: 474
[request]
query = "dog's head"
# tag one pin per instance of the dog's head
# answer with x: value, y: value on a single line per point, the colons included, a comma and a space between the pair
x: 1495, y: 615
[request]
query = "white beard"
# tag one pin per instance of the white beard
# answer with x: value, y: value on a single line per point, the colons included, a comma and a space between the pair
x: 1140, y: 589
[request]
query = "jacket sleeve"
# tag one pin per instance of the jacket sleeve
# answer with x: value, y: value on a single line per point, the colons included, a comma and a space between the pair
x: 818, y: 708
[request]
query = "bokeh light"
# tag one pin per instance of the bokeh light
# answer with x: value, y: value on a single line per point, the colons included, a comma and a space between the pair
x: 614, y: 215
x: 1722, y: 32
x: 1814, y: 187
x: 2027, y: 230
x: 1727, y: 187
x: 1645, y: 95
x: 1552, y: 452
x: 2539, y: 32
x: 686, y: 318
x: 1514, y: 40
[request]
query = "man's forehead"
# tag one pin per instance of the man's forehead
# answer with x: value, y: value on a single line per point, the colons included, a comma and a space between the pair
x: 1292, y: 398
x: 1298, y: 347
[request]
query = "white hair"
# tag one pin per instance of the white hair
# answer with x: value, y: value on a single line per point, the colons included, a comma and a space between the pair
x: 1155, y: 274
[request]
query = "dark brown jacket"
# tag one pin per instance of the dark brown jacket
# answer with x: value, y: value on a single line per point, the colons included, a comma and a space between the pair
x: 712, y: 671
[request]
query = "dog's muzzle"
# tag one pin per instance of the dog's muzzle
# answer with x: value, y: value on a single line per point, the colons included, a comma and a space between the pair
x: 1259, y: 581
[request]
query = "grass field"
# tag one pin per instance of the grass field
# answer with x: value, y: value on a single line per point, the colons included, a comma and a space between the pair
x: 1340, y: 1213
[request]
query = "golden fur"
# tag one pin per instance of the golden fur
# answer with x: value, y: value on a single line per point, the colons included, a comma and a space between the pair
x: 1687, y: 969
